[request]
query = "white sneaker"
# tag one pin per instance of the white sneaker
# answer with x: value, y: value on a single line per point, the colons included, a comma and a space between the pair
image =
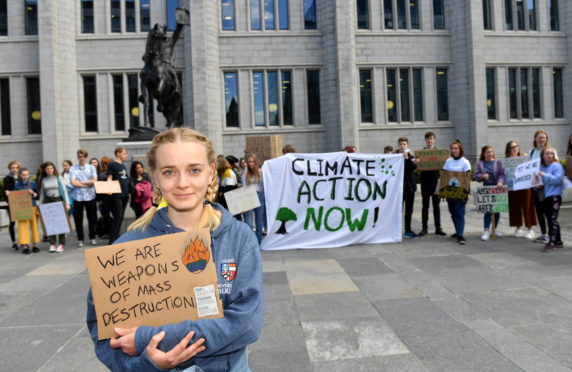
x: 530, y: 235
x: 498, y: 234
x: 80, y: 243
x: 52, y: 248
x: 60, y: 248
x: 93, y: 242
x: 518, y: 233
x: 486, y: 235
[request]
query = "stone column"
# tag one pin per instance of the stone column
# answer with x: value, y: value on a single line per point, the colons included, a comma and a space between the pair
x: 60, y: 112
x: 202, y: 70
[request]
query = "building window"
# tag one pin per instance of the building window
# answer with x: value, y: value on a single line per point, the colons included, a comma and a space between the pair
x: 313, y: 89
x: 227, y: 14
x: 287, y: 111
x: 87, y: 17
x: 115, y: 16
x: 406, y: 16
x: 172, y: 6
x: 90, y: 103
x: 34, y: 107
x: 362, y: 14
x: 491, y: 97
x: 439, y: 14
x: 487, y: 15
x: 270, y: 11
x: 442, y: 94
x: 366, y: 102
x: 133, y: 94
x: 520, y: 15
x: 118, y: 102
x: 310, y: 15
x: 144, y: 15
x: 231, y: 99
x: 130, y: 24
x: 31, y: 16
x: 524, y: 93
x: 400, y: 96
x: 554, y: 17
x: 558, y: 93
x: 270, y: 106
x: 3, y: 18
x: 5, y: 116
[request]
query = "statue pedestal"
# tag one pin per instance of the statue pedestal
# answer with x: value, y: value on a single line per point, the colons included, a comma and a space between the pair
x: 137, y: 150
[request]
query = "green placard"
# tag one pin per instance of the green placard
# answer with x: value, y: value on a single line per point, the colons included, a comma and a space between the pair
x: 491, y: 199
x: 431, y: 159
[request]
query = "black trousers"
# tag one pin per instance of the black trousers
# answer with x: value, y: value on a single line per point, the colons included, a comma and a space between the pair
x: 408, y: 199
x: 426, y: 198
x: 540, y: 216
x: 91, y: 211
x: 117, y: 207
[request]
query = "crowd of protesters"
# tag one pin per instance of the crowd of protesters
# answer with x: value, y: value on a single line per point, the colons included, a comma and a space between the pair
x: 74, y: 187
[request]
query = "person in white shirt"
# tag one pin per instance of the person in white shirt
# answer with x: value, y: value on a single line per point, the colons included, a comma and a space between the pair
x: 457, y: 163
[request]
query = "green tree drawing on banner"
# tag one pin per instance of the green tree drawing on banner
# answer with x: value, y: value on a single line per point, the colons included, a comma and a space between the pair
x: 284, y: 215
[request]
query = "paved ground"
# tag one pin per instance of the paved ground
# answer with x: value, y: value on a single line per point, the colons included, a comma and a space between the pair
x: 426, y: 304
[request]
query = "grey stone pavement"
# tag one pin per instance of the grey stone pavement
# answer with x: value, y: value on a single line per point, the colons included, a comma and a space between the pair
x: 427, y: 304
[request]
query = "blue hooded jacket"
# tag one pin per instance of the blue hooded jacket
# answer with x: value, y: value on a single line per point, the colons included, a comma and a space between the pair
x: 242, y: 297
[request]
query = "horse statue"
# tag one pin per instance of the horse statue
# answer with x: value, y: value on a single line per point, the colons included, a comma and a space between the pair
x: 159, y: 79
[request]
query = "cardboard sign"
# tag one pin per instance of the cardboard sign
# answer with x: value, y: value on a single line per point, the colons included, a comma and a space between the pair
x: 491, y: 199
x: 106, y: 187
x: 509, y: 165
x: 54, y: 218
x: 242, y: 200
x: 156, y: 281
x: 431, y: 159
x: 526, y: 175
x: 454, y: 185
x: 20, y: 203
x: 569, y: 167
x: 265, y: 147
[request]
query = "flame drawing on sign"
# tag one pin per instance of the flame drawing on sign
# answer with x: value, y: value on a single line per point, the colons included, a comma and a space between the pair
x: 196, y: 256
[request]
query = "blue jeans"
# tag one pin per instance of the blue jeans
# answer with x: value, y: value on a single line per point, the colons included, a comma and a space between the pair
x: 488, y: 219
x: 241, y: 365
x: 457, y: 210
x: 259, y: 216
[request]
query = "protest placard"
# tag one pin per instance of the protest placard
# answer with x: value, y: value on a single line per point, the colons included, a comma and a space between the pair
x: 569, y: 167
x: 107, y: 187
x: 431, y: 159
x: 491, y: 199
x: 332, y: 200
x: 509, y: 166
x: 526, y: 175
x: 54, y: 218
x: 265, y: 147
x: 20, y: 204
x: 454, y: 185
x: 241, y: 200
x: 156, y: 281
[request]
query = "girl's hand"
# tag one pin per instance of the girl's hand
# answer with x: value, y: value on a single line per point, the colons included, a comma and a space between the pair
x: 485, y: 176
x: 125, y: 341
x: 177, y: 355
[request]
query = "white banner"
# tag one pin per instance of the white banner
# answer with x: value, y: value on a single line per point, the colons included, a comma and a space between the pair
x: 526, y: 175
x: 332, y: 200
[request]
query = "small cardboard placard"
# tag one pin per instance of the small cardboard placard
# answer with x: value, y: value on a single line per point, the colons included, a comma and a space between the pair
x: 491, y: 199
x: 569, y: 167
x: 54, y: 218
x: 509, y: 165
x: 431, y: 159
x: 526, y: 175
x: 242, y: 199
x: 107, y: 187
x: 155, y: 281
x: 265, y: 147
x: 454, y: 185
x: 20, y: 203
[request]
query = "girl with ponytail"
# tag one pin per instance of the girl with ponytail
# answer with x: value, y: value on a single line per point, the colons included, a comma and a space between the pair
x: 182, y: 163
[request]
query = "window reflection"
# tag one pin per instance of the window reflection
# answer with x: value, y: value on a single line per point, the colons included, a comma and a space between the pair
x: 258, y: 95
x: 31, y: 15
x: 310, y: 19
x: 227, y: 14
x: 231, y: 98
x: 366, y: 106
